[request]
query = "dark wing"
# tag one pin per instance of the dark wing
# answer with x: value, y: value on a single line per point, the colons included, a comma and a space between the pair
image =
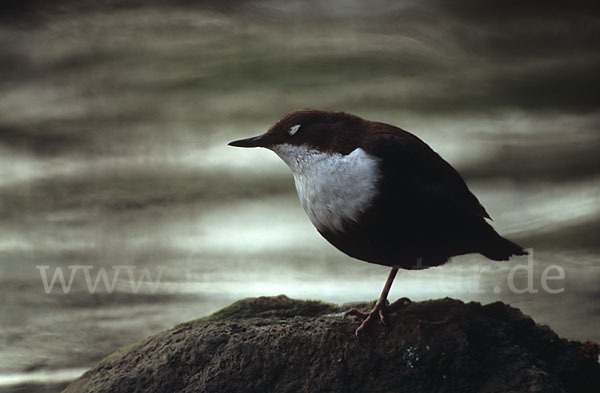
x: 421, y: 173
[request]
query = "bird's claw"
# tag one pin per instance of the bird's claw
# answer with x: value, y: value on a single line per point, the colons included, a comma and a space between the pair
x: 379, y: 310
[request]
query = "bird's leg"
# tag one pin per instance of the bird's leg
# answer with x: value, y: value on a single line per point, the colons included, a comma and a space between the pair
x: 379, y: 306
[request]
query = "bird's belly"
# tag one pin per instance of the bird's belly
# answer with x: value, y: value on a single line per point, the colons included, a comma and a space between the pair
x: 374, y: 245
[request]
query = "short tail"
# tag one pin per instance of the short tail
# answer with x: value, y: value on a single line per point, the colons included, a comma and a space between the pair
x: 497, y: 248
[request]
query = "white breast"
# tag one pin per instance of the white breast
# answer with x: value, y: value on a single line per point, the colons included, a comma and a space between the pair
x: 332, y: 188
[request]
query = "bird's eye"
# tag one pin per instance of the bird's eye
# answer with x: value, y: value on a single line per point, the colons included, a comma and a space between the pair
x: 294, y: 129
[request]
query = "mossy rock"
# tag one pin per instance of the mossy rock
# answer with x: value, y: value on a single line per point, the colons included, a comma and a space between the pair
x: 272, y: 307
x: 277, y: 344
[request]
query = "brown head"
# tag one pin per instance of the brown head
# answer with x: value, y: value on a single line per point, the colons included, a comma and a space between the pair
x: 325, y: 131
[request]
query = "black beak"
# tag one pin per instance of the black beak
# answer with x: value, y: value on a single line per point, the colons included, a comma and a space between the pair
x: 255, y: 141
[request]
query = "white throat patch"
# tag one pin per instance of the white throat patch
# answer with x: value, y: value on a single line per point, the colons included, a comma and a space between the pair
x: 332, y: 187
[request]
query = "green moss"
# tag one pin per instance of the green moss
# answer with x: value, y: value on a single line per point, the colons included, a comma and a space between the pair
x: 270, y: 307
x: 313, y: 308
x: 237, y: 310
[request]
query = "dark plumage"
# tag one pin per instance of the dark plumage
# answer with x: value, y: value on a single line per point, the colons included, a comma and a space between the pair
x: 422, y: 212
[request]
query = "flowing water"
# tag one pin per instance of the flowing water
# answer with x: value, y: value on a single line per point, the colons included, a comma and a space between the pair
x: 114, y: 169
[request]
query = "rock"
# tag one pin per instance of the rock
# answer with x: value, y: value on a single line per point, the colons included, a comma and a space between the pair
x: 276, y: 344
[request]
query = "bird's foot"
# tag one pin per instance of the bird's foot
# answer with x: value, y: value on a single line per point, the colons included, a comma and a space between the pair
x: 378, y: 312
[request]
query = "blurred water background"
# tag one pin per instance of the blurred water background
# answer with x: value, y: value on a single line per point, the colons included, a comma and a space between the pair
x: 114, y: 119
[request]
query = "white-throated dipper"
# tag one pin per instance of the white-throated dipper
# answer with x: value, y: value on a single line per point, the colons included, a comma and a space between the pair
x: 380, y: 194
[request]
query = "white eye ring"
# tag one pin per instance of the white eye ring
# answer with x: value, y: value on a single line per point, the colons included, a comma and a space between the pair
x: 294, y: 129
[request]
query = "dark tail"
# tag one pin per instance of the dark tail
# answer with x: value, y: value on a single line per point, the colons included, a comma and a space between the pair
x: 495, y: 247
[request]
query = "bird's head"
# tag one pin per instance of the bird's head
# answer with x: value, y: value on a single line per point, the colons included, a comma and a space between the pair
x: 323, y: 131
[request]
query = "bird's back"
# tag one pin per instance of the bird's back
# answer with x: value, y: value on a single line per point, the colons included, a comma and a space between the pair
x: 423, y: 212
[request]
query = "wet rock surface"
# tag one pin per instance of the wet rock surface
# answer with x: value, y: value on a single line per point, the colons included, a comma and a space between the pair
x: 277, y: 344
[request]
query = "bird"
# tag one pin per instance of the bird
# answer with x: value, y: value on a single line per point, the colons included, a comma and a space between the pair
x: 381, y: 195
